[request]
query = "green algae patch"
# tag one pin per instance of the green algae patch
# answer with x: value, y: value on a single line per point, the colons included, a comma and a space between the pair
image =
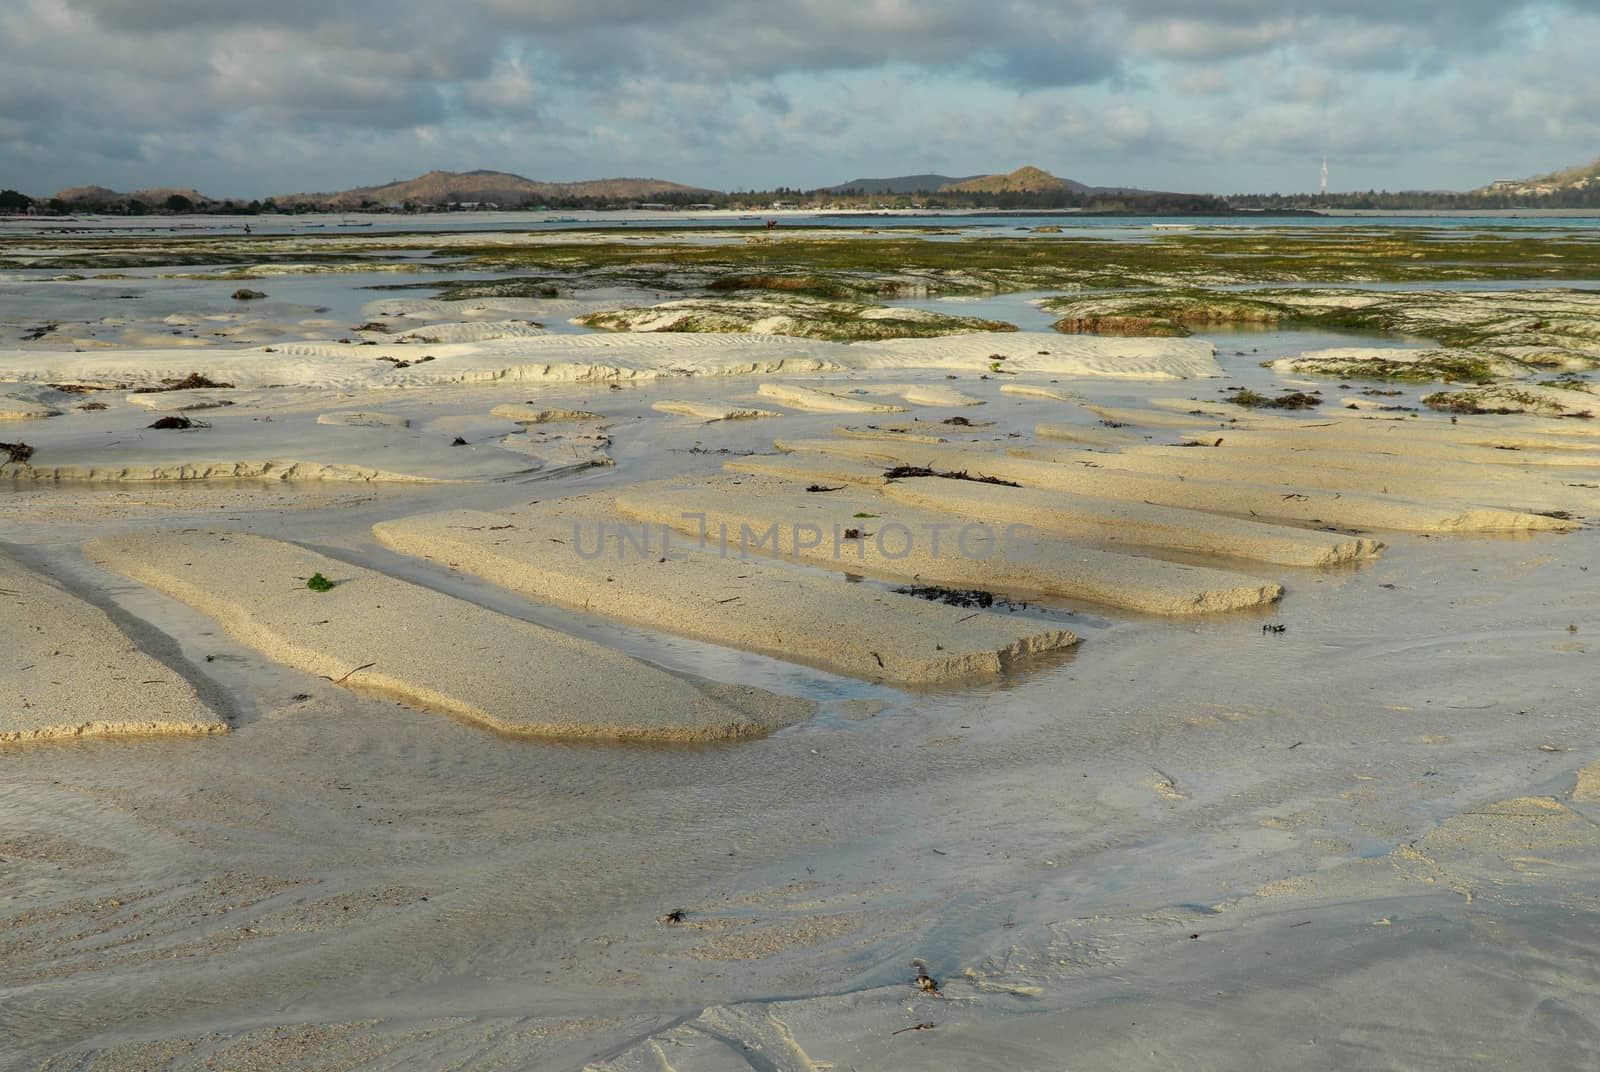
x: 1255, y: 400
x: 1533, y: 399
x: 798, y: 316
x: 1430, y: 366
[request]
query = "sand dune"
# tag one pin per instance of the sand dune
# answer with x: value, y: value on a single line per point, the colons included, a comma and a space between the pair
x: 69, y: 672
x: 641, y: 576
x: 385, y: 637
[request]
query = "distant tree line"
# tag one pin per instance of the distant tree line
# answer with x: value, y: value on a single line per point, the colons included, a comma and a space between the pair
x: 1130, y: 202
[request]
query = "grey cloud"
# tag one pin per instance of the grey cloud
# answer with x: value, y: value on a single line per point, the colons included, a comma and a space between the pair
x: 693, y: 82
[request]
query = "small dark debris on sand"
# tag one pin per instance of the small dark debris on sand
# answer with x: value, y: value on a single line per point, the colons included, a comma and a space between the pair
x: 17, y: 453
x: 94, y: 406
x: 954, y: 597
x: 959, y: 422
x: 904, y: 472
x: 399, y: 364
x: 458, y: 442
x: 373, y: 325
x: 85, y: 388
x: 178, y: 422
x: 677, y: 915
x: 188, y: 383
x: 819, y: 487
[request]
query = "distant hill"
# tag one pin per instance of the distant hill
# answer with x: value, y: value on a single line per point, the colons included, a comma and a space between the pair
x: 899, y: 184
x: 1024, y: 180
x: 1582, y: 177
x: 497, y: 187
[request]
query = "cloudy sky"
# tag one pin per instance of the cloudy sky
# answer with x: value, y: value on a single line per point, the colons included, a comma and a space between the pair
x: 256, y: 97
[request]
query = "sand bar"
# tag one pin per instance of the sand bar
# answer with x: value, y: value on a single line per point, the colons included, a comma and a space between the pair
x: 1241, y: 498
x: 1381, y: 474
x: 772, y: 516
x: 751, y: 603
x: 1046, y: 353
x: 1122, y: 525
x: 533, y: 413
x: 68, y: 671
x: 208, y: 470
x: 363, y: 419
x: 1040, y: 390
x: 1368, y: 474
x: 1497, y: 430
x: 711, y: 411
x: 1410, y: 446
x: 818, y: 401
x: 821, y: 469
x: 384, y: 637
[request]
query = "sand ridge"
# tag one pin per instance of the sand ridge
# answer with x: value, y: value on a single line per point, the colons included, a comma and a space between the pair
x: 69, y: 671
x: 374, y: 634
x: 773, y: 516
x: 1238, y: 497
x: 579, y: 554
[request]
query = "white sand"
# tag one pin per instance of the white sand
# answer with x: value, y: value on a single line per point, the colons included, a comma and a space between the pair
x: 363, y: 419
x: 814, y: 400
x: 23, y: 409
x: 933, y: 394
x: 760, y: 515
x: 385, y: 637
x: 1040, y: 390
x: 1091, y: 435
x: 867, y: 432
x: 813, y: 468
x: 68, y: 671
x: 178, y: 401
x: 645, y: 577
x: 1047, y: 353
